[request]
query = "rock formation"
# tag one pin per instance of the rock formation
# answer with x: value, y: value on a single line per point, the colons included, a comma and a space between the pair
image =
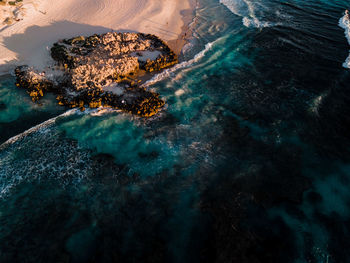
x: 101, y: 70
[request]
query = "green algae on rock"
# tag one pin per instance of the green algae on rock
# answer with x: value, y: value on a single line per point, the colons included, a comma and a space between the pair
x: 100, y: 70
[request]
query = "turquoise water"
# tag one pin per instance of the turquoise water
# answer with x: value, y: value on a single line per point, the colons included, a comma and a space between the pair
x: 248, y: 162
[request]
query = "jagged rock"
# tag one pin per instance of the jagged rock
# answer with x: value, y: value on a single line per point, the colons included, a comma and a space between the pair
x: 100, y: 60
x: 91, y: 65
x: 35, y: 83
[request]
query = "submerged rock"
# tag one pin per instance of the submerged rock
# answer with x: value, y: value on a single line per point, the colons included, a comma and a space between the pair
x: 101, y: 70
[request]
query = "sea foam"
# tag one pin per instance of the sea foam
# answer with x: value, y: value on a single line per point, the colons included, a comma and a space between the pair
x: 344, y: 22
x: 185, y: 64
x: 42, y: 127
x: 40, y: 153
x: 247, y: 10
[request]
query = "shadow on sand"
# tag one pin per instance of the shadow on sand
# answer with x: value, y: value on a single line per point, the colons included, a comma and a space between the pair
x: 32, y: 47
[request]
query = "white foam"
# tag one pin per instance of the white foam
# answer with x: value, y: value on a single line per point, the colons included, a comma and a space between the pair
x: 42, y: 127
x: 317, y: 102
x: 179, y: 92
x: 254, y: 22
x: 187, y: 48
x: 247, y: 10
x: 103, y: 111
x: 344, y: 22
x: 168, y: 72
x: 40, y: 153
x: 346, y: 64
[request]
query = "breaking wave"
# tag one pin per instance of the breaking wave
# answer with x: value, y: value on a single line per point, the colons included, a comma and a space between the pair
x: 42, y: 127
x: 247, y: 10
x: 168, y: 73
x: 38, y: 153
x: 344, y: 22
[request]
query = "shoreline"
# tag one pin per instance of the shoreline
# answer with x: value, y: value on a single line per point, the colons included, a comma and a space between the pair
x: 188, y: 17
x: 28, y: 41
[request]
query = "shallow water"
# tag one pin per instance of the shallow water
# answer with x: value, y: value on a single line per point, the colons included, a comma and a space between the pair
x: 248, y: 162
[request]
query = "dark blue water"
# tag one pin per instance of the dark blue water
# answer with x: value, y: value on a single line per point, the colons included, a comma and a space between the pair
x: 248, y: 162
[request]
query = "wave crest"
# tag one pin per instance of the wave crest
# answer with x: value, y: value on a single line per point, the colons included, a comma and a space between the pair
x: 344, y: 22
x: 247, y: 10
x: 42, y: 127
x: 168, y: 72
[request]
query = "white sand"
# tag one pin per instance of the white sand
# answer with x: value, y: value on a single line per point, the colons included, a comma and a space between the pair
x: 28, y: 41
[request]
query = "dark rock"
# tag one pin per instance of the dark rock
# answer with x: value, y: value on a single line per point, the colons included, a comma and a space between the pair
x: 35, y: 83
x: 90, y: 64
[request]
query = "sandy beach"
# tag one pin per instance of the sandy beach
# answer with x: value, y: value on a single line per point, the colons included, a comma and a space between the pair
x: 28, y: 41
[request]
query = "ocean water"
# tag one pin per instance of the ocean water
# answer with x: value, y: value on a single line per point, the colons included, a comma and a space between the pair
x: 248, y: 162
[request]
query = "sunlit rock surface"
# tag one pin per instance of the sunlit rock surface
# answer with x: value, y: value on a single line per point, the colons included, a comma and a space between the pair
x: 101, y: 70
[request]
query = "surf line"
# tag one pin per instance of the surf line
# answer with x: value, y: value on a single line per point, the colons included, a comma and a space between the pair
x: 344, y: 23
x: 185, y: 64
x: 41, y: 126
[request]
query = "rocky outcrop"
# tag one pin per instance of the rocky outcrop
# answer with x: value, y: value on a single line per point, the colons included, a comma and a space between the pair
x: 35, y: 83
x: 101, y: 70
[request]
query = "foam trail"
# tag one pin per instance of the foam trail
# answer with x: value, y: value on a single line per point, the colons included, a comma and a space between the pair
x: 39, y: 153
x: 344, y: 22
x: 42, y: 126
x: 246, y: 10
x: 167, y: 73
